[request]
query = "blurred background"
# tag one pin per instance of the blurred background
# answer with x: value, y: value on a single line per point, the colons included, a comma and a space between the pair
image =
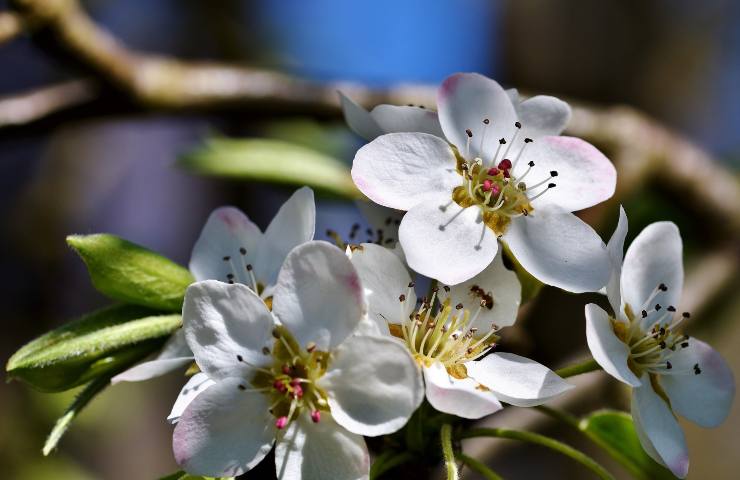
x: 107, y: 163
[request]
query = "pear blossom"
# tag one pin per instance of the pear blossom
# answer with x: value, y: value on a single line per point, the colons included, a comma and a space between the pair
x: 450, y: 334
x: 642, y: 345
x: 296, y: 376
x: 500, y: 171
x: 232, y: 249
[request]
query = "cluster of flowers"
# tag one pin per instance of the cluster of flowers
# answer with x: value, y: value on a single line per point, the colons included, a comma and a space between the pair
x: 310, y: 347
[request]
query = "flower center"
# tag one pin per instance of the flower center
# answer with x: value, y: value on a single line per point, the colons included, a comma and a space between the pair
x: 291, y: 380
x: 496, y: 186
x: 653, y: 337
x: 436, y: 331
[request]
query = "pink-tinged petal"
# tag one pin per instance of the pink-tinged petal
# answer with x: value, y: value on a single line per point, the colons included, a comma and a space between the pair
x: 225, y: 234
x: 444, y: 241
x: 655, y: 422
x: 393, y: 118
x: 608, y: 350
x: 227, y: 327
x: 358, y: 119
x: 400, y: 170
x: 542, y: 115
x: 384, y: 279
x: 293, y: 225
x: 464, y: 101
x: 705, y: 397
x: 373, y: 384
x: 225, y: 431
x: 655, y: 257
x: 197, y: 384
x: 319, y: 297
x: 560, y: 249
x: 517, y: 380
x: 584, y: 178
x: 323, y: 450
x: 465, y: 398
x: 499, y: 285
x: 615, y: 249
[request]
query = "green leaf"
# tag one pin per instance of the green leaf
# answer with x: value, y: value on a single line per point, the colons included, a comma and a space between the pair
x: 128, y: 272
x: 615, y: 432
x: 272, y: 161
x: 105, y: 341
x: 530, y: 285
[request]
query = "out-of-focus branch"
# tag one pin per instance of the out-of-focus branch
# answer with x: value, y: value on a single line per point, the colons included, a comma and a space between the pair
x: 11, y: 26
x: 23, y: 108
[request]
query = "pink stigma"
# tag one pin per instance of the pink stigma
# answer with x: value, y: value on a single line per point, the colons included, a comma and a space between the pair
x: 279, y: 385
x: 316, y: 416
x: 297, y: 391
x: 281, y: 422
x: 495, y: 189
x: 493, y: 171
x: 487, y: 184
x: 504, y: 164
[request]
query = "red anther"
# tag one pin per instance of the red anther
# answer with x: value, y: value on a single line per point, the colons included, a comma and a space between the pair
x: 281, y: 423
x: 487, y: 185
x: 504, y: 164
x: 495, y: 189
x: 279, y: 385
x: 297, y: 391
x: 493, y: 171
x: 295, y: 382
x: 287, y: 369
x: 507, y: 174
x: 316, y: 416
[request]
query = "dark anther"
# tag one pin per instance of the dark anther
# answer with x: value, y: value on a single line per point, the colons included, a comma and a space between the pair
x: 657, y: 307
x: 550, y: 185
x: 240, y: 358
x: 531, y: 163
x: 502, y: 141
x: 697, y: 370
x: 231, y: 281
x: 242, y: 387
x: 411, y: 285
x: 229, y: 276
x: 227, y: 258
x: 486, y: 121
x: 276, y: 333
x: 662, y: 331
x: 265, y: 351
x: 554, y: 173
x: 662, y: 345
x: 459, y: 306
x: 249, y: 267
x: 668, y: 365
x: 662, y: 287
x: 469, y: 133
x: 518, y: 125
x: 643, y: 313
x: 684, y: 344
x: 446, y: 288
x: 685, y: 314
x: 527, y: 140
x: 402, y: 298
x: 329, y: 233
x: 671, y: 308
x: 243, y: 251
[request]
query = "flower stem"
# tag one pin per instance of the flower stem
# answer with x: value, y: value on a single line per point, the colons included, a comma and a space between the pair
x: 544, y: 441
x: 479, y: 467
x: 449, y: 456
x: 388, y: 461
x: 564, y: 417
x: 584, y: 367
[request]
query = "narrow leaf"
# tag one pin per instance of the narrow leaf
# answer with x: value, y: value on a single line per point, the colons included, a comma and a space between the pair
x: 615, y: 432
x: 82, y: 400
x: 271, y: 161
x: 102, y: 342
x: 128, y: 272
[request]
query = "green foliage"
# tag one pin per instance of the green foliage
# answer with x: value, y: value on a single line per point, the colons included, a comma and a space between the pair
x: 615, y: 432
x: 530, y: 285
x: 271, y: 161
x: 128, y: 272
x: 103, y: 342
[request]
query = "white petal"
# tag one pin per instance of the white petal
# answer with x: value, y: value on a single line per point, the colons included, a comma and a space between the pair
x: 174, y: 355
x: 608, y: 350
x: 654, y: 257
x: 222, y: 321
x: 400, y: 170
x: 497, y: 281
x: 226, y: 231
x: 542, y: 115
x: 384, y: 279
x: 451, y: 245
x: 322, y: 450
x: 358, y: 119
x: 517, y: 380
x: 197, y: 384
x: 655, y: 421
x: 318, y: 296
x: 393, y: 118
x: 615, y: 249
x: 560, y: 249
x: 152, y: 369
x: 374, y: 385
x: 293, y: 225
x: 465, y: 398
x: 705, y: 398
x: 224, y: 432
x: 584, y: 178
x: 464, y: 100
